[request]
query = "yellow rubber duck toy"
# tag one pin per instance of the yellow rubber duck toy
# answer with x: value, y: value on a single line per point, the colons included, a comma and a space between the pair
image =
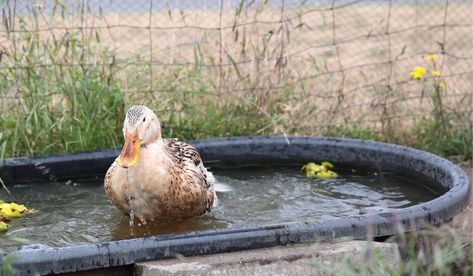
x: 322, y: 171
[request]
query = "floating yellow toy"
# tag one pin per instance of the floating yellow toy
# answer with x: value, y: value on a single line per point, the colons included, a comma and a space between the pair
x: 321, y: 171
x: 10, y: 211
x: 3, y: 227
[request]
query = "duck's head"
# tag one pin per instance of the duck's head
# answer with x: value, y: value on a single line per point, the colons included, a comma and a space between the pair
x: 141, y: 127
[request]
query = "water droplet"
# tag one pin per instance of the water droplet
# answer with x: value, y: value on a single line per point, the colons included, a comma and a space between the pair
x: 132, y: 218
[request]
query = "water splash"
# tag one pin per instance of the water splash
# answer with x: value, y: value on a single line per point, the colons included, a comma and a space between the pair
x: 44, y: 170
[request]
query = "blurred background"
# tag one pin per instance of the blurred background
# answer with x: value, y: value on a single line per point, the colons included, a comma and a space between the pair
x: 399, y: 71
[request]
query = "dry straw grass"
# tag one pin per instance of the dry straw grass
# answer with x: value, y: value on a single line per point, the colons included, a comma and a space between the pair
x: 306, y: 67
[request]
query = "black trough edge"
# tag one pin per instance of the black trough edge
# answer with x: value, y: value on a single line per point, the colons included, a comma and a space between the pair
x: 45, y: 260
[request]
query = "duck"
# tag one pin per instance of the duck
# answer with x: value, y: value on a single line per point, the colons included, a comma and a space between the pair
x: 154, y: 178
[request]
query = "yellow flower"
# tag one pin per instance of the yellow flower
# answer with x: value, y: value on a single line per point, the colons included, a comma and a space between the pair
x: 435, y: 73
x: 442, y: 84
x: 431, y: 57
x: 418, y: 72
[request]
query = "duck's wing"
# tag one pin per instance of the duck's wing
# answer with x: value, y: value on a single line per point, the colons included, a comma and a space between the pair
x: 108, y: 186
x: 107, y: 181
x: 187, y: 159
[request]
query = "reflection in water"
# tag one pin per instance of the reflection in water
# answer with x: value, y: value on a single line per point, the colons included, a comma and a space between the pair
x: 124, y: 230
x: 78, y: 211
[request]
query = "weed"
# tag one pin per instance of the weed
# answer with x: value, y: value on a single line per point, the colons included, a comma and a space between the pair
x: 455, y: 142
x: 430, y: 251
x: 64, y: 100
x: 354, y: 131
x: 447, y: 133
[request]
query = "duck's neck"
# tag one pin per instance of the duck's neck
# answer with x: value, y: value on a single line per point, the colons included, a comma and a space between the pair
x: 156, y: 150
x: 155, y: 142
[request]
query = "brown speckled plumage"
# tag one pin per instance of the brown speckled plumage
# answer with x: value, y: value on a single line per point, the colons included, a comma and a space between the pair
x: 169, y: 181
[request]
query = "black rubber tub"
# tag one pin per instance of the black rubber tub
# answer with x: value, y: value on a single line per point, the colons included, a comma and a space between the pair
x: 438, y: 171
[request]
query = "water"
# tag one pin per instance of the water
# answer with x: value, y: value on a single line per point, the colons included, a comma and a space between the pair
x: 78, y: 211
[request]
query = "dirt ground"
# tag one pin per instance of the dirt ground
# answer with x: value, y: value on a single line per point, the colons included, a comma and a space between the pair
x: 462, y: 224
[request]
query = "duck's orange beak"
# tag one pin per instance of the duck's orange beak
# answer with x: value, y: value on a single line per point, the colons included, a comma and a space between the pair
x: 129, y: 155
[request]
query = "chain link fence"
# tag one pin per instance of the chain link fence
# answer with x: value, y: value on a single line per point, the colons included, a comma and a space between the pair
x: 315, y: 64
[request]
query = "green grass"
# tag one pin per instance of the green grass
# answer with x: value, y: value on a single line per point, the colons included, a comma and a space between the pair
x: 434, y: 251
x: 212, y: 120
x: 81, y: 110
x: 58, y: 108
x: 455, y: 143
x: 87, y: 118
x: 431, y: 251
x: 354, y: 131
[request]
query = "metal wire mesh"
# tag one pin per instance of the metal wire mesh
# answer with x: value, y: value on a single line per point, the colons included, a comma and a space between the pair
x: 332, y: 61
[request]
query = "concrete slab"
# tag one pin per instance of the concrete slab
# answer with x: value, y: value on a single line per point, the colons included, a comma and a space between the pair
x: 303, y: 259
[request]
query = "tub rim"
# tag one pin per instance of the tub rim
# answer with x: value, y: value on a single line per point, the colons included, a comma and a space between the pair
x: 124, y: 252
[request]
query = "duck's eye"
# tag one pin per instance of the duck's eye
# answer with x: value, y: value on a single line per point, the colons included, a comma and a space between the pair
x: 144, y: 119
